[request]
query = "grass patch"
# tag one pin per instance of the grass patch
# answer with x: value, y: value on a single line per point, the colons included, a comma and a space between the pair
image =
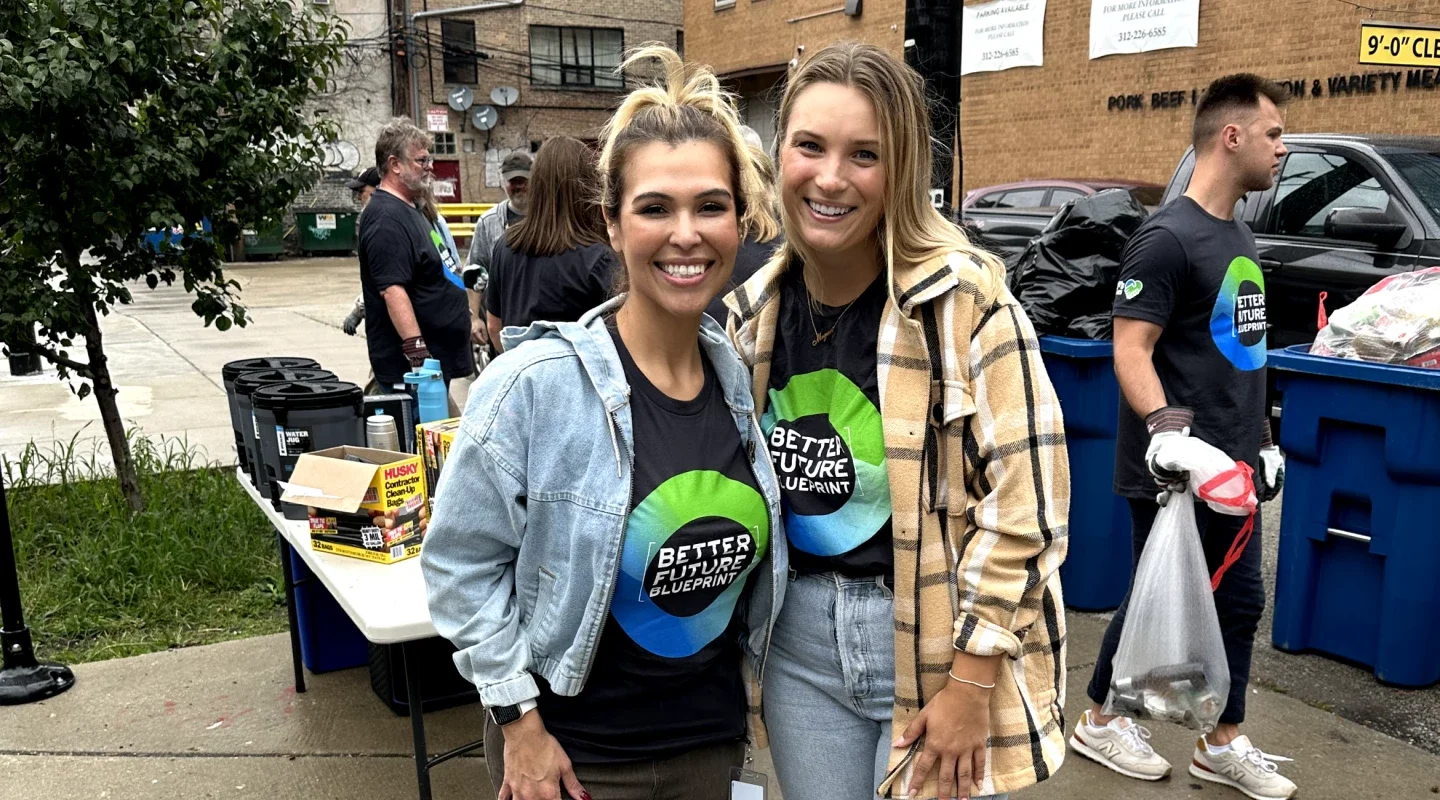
x: 199, y: 565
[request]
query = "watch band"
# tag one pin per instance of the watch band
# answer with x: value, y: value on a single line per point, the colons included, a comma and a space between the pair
x: 504, y: 715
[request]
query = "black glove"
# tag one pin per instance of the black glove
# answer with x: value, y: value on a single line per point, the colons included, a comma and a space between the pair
x: 415, y: 351
x: 353, y: 320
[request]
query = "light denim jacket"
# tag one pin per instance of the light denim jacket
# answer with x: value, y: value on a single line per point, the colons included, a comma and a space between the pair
x: 522, y: 552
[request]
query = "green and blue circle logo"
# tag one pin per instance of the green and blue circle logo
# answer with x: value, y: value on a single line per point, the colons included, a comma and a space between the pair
x: 690, y: 545
x: 1237, y: 324
x: 828, y: 445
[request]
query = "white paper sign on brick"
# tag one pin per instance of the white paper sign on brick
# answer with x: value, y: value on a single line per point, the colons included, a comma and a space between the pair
x: 1002, y: 35
x: 1137, y: 26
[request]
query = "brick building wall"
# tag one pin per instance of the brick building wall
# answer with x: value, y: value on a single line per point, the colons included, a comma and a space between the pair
x: 1053, y: 121
x: 751, y: 34
x: 540, y: 112
x: 751, y: 42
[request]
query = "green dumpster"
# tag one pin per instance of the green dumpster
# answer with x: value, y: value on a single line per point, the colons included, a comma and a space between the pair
x: 264, y: 241
x: 326, y: 231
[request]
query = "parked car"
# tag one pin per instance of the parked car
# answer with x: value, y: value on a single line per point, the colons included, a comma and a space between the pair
x: 1344, y: 212
x: 1004, y: 218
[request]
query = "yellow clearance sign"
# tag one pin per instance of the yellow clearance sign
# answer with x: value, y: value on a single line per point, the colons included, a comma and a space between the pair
x: 1399, y: 45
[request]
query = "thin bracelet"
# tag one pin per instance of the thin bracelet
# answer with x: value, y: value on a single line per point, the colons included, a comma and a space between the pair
x: 951, y: 673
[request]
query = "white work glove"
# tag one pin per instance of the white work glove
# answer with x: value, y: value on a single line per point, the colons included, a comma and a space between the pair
x: 1167, y: 426
x: 1272, y: 473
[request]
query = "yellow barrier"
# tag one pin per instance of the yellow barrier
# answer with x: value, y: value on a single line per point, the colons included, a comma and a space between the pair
x: 461, y: 217
x: 456, y: 210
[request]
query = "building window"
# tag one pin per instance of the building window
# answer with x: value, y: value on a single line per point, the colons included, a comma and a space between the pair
x: 458, y: 38
x: 576, y: 56
x: 444, y: 144
x: 680, y: 43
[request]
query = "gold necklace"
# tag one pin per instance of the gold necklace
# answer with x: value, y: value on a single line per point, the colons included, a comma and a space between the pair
x: 820, y: 337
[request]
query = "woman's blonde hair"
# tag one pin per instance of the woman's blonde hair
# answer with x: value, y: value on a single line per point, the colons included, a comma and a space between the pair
x: 911, y: 231
x: 687, y: 106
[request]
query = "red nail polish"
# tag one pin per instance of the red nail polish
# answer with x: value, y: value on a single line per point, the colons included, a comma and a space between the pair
x: 584, y: 796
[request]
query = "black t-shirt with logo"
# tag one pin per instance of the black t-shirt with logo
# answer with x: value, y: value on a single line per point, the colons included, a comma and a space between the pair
x: 666, y: 675
x: 399, y: 248
x: 559, y: 288
x: 822, y: 423
x: 1198, y: 277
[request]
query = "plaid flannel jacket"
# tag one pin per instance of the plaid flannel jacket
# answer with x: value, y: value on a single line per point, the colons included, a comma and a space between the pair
x: 980, y: 492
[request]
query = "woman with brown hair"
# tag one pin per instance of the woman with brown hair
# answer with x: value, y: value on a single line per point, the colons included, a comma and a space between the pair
x: 555, y: 264
x: 921, y: 458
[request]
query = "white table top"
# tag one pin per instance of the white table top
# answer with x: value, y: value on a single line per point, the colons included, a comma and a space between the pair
x: 385, y: 601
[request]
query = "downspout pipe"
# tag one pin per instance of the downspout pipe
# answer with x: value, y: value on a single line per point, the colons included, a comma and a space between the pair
x: 411, y: 34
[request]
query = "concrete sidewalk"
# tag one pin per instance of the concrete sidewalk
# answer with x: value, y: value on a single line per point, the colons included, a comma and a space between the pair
x: 223, y: 721
x: 166, y: 363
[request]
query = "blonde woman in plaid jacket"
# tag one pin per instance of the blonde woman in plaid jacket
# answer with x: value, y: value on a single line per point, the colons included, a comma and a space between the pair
x: 920, y: 651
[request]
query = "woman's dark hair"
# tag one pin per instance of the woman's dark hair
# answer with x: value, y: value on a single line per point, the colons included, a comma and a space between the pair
x: 563, y: 214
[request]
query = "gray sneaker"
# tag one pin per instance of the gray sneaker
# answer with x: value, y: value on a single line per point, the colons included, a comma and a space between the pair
x: 1245, y: 768
x: 1122, y: 746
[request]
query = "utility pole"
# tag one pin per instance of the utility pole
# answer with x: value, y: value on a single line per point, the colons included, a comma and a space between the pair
x: 932, y: 28
x: 23, y: 679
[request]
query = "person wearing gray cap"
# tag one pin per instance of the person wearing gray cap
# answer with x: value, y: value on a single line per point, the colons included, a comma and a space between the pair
x: 515, y: 172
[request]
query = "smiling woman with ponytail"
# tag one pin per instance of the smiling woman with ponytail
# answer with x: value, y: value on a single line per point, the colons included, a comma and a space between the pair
x: 605, y: 552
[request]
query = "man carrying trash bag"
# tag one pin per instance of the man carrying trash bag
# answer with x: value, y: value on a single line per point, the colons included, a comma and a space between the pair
x: 1189, y: 318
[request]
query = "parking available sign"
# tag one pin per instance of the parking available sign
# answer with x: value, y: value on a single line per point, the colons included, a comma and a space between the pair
x: 1002, y: 35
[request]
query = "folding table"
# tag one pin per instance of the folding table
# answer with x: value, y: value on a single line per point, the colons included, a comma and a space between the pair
x: 387, y: 602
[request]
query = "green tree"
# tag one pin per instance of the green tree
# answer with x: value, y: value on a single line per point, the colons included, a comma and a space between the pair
x: 122, y: 116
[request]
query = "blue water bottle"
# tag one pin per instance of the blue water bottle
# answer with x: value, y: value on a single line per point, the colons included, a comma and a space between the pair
x: 427, y: 384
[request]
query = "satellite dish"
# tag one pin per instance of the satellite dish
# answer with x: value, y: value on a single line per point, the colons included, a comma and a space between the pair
x: 484, y: 117
x: 504, y: 95
x: 461, y: 98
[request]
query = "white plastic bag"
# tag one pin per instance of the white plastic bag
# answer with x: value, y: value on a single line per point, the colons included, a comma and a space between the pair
x: 1224, y: 484
x: 1170, y: 664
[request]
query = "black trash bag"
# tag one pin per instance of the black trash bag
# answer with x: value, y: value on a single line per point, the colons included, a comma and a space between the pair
x: 1065, y: 279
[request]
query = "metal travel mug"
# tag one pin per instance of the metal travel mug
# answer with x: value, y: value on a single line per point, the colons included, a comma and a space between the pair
x: 380, y: 432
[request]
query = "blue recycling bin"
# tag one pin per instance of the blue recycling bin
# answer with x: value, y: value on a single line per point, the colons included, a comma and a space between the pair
x: 1359, y: 564
x: 329, y: 641
x: 1096, y: 572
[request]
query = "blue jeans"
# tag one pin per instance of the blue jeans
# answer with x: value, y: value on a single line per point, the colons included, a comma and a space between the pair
x: 830, y: 687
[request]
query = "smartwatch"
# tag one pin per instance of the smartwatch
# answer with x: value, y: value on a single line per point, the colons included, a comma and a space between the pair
x: 504, y: 715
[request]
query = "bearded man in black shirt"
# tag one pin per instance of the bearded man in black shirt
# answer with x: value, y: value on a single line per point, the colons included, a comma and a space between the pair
x: 402, y: 269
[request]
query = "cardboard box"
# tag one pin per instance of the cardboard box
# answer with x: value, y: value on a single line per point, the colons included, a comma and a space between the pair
x: 363, y: 503
x: 433, y: 441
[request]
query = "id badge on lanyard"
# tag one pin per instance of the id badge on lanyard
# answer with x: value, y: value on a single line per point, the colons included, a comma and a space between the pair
x: 747, y: 785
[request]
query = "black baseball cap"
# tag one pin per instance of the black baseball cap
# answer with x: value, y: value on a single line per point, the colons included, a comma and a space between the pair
x: 370, y: 177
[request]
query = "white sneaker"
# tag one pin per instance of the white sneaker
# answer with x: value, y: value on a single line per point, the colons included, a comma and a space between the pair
x: 1243, y: 767
x: 1121, y: 746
